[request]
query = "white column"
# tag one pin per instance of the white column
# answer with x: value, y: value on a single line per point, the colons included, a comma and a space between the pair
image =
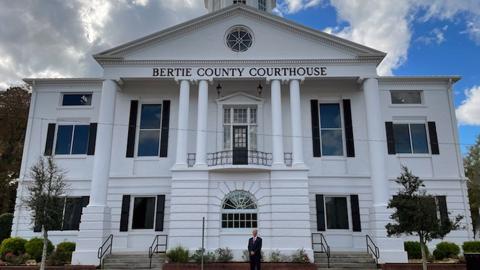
x: 392, y: 248
x: 202, y: 116
x: 101, y: 161
x: 277, y: 129
x: 296, y: 119
x: 376, y: 143
x: 182, y: 132
x: 96, y: 222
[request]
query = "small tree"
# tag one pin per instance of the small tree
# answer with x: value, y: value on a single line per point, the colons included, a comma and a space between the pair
x: 415, y: 213
x: 472, y: 171
x: 43, y: 200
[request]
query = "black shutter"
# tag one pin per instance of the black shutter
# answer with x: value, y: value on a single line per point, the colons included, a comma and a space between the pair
x: 356, y: 223
x: 85, y: 201
x: 124, y: 213
x: 92, y: 138
x: 347, y: 119
x: 132, y: 128
x: 315, y: 128
x: 320, y: 212
x: 390, y: 138
x: 432, y: 132
x: 442, y: 207
x: 160, y: 213
x: 50, y: 137
x: 165, y: 127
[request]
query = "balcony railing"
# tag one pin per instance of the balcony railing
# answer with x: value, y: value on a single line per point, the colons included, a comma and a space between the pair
x: 229, y: 157
x: 239, y: 157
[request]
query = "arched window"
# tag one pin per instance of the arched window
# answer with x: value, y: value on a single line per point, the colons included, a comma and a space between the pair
x: 239, y: 210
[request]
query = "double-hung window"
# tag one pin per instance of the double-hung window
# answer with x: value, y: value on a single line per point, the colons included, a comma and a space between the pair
x: 69, y: 213
x: 240, y: 116
x: 72, y: 140
x: 331, y: 129
x: 410, y: 138
x: 150, y: 130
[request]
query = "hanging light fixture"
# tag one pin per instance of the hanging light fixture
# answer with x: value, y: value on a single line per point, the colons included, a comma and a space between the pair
x: 259, y: 89
x: 219, y: 90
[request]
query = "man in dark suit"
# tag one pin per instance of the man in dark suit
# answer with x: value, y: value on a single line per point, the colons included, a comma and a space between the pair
x: 255, y: 250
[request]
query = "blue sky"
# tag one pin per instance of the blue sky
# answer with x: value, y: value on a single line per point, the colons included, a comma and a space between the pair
x: 56, y: 38
x: 438, y: 46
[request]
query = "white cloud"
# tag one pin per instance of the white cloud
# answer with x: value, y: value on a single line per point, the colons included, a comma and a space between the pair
x: 437, y: 36
x: 468, y: 113
x: 56, y: 38
x: 386, y: 25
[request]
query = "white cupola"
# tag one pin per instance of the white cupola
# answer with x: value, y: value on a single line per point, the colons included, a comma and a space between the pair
x: 263, y: 5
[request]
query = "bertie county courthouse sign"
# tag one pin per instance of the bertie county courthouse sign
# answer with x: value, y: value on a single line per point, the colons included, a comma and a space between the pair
x: 239, y: 72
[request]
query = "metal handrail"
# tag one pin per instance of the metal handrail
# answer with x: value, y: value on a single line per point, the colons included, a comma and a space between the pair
x: 154, y: 247
x: 323, y: 244
x: 102, y: 250
x: 226, y: 157
x: 375, y: 251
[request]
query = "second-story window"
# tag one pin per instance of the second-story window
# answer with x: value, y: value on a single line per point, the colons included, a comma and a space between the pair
x: 239, y: 1
x: 150, y: 130
x: 72, y: 140
x: 240, y: 117
x: 262, y: 5
x: 331, y: 129
x: 410, y: 138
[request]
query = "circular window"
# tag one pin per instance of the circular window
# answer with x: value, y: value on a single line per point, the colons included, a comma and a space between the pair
x: 239, y: 39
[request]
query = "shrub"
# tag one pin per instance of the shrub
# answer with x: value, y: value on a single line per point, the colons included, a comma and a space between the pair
x: 63, y: 254
x: 413, y: 250
x: 300, y: 256
x: 224, y: 255
x: 5, y: 226
x: 276, y: 257
x: 446, y: 250
x: 14, y: 245
x: 178, y: 255
x: 34, y: 247
x: 13, y: 259
x: 471, y: 247
x: 207, y: 256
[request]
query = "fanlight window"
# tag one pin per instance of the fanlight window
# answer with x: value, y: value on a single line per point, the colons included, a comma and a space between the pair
x: 239, y: 210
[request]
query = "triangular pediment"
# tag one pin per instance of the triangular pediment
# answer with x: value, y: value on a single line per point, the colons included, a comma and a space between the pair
x: 240, y: 98
x: 274, y: 37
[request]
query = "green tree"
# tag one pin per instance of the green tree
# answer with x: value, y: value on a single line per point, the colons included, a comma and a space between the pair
x: 43, y: 199
x: 415, y: 213
x: 14, y: 104
x: 472, y: 171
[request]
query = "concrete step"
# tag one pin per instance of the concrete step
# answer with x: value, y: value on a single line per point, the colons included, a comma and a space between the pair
x: 347, y: 265
x: 346, y: 259
x: 345, y: 254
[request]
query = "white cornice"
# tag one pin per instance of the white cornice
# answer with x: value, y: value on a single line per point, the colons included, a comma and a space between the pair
x: 116, y: 62
x: 408, y: 80
x: 32, y: 81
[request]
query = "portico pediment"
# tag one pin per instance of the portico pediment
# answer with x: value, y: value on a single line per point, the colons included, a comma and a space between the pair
x: 206, y: 38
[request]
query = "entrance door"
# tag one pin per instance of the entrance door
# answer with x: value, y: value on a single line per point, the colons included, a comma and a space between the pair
x: 240, y: 145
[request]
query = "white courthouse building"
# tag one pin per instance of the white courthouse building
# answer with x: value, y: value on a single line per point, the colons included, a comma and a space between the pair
x: 248, y: 120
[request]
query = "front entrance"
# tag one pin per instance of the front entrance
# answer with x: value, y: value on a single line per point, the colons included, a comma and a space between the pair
x: 240, y: 145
